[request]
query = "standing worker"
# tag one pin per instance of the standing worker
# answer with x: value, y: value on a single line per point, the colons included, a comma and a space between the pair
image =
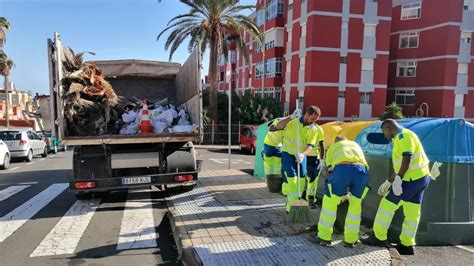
x: 294, y: 156
x: 409, y: 181
x: 315, y: 164
x: 272, y: 153
x: 349, y: 172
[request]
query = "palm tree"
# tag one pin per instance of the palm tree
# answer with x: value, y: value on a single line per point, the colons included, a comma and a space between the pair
x: 211, y: 23
x: 4, y: 27
x: 6, y: 65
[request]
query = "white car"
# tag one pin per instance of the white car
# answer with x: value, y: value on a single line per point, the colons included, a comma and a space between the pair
x: 4, y: 155
x: 24, y: 143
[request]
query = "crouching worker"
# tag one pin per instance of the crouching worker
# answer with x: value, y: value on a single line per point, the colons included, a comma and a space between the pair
x: 348, y: 173
x: 272, y: 153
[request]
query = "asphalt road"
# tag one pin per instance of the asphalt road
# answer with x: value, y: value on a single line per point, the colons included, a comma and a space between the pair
x: 41, y: 223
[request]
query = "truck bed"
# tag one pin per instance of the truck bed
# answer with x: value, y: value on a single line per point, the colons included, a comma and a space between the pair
x: 132, y: 139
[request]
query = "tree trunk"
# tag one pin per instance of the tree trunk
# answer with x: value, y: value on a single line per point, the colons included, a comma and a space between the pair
x: 7, y: 115
x: 213, y: 96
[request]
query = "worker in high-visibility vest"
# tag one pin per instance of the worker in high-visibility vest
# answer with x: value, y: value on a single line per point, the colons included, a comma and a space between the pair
x: 348, y: 179
x: 314, y: 164
x: 294, y: 156
x: 408, y: 184
x: 272, y: 153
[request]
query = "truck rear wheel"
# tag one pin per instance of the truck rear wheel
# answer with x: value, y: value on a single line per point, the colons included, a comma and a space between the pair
x: 83, y: 195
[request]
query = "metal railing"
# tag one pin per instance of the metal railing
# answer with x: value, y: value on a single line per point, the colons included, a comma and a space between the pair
x: 217, y: 134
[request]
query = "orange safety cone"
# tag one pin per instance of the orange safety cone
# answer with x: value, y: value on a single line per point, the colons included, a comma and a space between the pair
x: 145, y: 126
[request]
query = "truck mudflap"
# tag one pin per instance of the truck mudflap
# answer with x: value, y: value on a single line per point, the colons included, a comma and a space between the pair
x: 114, y: 183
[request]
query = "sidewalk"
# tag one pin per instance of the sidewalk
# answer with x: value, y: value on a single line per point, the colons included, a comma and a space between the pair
x: 230, y: 218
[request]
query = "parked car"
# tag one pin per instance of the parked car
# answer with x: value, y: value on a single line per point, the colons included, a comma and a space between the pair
x: 53, y: 144
x: 4, y: 155
x: 248, y: 139
x: 24, y: 143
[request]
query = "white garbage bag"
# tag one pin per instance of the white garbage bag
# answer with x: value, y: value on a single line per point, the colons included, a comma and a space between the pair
x: 129, y: 117
x: 129, y: 129
x: 166, y: 116
x: 183, y: 118
x: 159, y: 126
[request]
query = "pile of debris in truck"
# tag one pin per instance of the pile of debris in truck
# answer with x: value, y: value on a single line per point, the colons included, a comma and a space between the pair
x: 91, y: 107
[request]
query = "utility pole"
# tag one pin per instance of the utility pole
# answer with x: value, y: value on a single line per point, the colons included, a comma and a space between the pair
x: 7, y: 105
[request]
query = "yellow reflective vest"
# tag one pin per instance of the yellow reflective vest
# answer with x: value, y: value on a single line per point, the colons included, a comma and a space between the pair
x: 345, y: 151
x: 407, y: 143
x: 307, y: 136
x: 274, y: 138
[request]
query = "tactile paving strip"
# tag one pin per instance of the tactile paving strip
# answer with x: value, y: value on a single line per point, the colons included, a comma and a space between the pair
x: 294, y: 250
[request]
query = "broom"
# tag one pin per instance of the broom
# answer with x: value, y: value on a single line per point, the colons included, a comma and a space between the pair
x: 299, y: 213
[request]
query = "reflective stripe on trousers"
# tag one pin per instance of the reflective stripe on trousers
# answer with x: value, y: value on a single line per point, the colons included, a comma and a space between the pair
x: 353, y: 217
x: 328, y: 215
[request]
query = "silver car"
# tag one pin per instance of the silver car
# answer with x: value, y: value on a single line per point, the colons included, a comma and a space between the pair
x: 24, y: 143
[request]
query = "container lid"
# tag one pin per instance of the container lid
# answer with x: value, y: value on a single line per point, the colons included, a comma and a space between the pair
x: 444, y: 140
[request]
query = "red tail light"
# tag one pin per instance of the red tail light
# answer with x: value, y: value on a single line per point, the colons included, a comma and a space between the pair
x: 183, y: 178
x: 22, y: 142
x: 83, y: 185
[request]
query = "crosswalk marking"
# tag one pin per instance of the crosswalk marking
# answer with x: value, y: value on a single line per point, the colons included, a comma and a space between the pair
x: 10, y: 191
x: 138, y: 225
x: 19, y: 216
x: 66, y: 234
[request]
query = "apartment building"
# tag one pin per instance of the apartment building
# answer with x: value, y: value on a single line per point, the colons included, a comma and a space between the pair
x: 17, y: 100
x: 430, y: 70
x: 329, y: 53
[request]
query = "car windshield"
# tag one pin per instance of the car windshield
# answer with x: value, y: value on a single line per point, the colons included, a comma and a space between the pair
x: 10, y: 135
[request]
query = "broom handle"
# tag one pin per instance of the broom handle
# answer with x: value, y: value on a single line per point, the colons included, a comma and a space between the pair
x: 298, y: 150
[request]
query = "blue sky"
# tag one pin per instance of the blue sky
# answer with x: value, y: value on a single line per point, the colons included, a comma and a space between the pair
x: 113, y: 29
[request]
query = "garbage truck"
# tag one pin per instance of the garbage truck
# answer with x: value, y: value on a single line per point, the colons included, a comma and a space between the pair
x: 111, y: 161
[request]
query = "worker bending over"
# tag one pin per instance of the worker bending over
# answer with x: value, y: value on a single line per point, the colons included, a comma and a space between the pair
x: 272, y: 153
x: 294, y: 156
x: 409, y: 181
x: 348, y: 173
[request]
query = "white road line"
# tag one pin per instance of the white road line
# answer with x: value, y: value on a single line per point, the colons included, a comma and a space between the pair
x: 138, y: 225
x: 14, y: 168
x: 23, y: 183
x: 10, y: 191
x: 19, y: 216
x: 41, y: 159
x: 465, y: 248
x: 66, y: 234
x: 30, y: 163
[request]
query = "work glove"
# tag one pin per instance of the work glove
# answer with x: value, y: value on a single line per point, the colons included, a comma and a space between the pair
x: 383, y: 189
x: 322, y: 164
x: 435, y: 170
x: 296, y: 114
x: 397, y: 186
x: 299, y: 157
x: 346, y: 197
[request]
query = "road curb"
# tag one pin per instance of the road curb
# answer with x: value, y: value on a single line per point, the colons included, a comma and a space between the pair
x: 186, y: 251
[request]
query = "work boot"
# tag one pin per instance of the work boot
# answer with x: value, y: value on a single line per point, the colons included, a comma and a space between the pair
x: 350, y: 245
x: 405, y: 250
x: 313, y: 237
x: 372, y: 240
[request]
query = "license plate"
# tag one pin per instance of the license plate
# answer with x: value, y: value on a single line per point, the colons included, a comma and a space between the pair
x: 136, y: 180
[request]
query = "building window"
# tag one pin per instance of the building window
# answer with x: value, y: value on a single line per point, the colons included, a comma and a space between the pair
x: 275, y: 8
x: 341, y: 94
x: 366, y: 97
x: 222, y: 76
x: 269, y: 45
x: 259, y: 70
x: 258, y: 47
x: 411, y: 11
x: 343, y: 60
x: 405, y: 97
x: 260, y: 17
x: 232, y: 56
x: 273, y: 67
x: 406, y: 69
x: 409, y: 40
x: 268, y: 93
